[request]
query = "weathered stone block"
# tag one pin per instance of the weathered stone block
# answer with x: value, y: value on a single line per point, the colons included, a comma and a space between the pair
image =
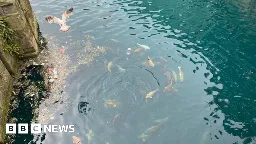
x: 5, y: 95
x: 11, y: 60
x: 27, y: 41
x: 32, y: 22
x: 16, y: 21
x: 7, y: 1
x: 9, y: 9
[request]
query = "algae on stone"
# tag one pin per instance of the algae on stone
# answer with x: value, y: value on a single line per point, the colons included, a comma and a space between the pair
x: 7, y: 37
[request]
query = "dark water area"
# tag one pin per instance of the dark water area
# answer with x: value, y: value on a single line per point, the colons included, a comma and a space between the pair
x: 214, y: 42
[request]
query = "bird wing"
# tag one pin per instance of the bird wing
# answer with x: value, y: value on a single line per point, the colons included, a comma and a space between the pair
x: 66, y: 15
x: 53, y: 19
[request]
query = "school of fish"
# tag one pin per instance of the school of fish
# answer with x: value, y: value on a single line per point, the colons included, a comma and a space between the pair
x: 171, y: 77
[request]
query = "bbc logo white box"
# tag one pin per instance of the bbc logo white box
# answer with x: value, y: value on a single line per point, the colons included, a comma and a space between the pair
x: 10, y: 128
x: 23, y: 128
x: 36, y: 128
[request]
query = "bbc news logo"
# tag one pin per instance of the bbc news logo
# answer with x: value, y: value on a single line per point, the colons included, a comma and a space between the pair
x: 23, y: 128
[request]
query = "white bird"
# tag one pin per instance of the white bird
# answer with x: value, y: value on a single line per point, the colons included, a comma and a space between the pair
x: 62, y: 22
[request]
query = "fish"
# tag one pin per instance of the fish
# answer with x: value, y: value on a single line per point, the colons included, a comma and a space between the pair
x: 90, y: 136
x: 204, y: 137
x: 62, y: 22
x: 109, y: 66
x: 114, y: 40
x: 150, y: 62
x: 149, y: 132
x: 120, y: 68
x: 117, y: 116
x: 137, y: 50
x: 181, y: 74
x: 150, y: 94
x: 168, y: 75
x: 169, y: 87
x: 143, y: 137
x: 161, y: 121
x: 143, y: 46
x: 112, y: 103
x: 174, y: 76
x: 163, y: 59
x: 76, y: 140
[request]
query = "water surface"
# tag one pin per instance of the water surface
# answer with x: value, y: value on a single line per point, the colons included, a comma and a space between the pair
x: 212, y: 41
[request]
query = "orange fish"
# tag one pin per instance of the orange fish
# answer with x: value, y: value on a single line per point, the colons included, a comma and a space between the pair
x: 150, y: 62
x: 76, y: 140
x: 137, y: 50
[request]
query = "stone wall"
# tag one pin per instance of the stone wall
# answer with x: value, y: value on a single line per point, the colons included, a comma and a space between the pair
x: 5, y: 93
x: 20, y: 17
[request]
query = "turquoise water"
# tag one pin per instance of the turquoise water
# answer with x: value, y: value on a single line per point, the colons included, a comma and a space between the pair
x: 213, y: 41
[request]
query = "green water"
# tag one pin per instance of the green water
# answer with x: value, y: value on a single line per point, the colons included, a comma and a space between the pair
x: 213, y: 41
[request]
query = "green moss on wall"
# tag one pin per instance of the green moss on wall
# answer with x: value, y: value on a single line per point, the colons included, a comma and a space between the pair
x: 7, y: 37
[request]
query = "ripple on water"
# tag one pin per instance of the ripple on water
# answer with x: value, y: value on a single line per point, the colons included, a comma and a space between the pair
x: 202, y: 37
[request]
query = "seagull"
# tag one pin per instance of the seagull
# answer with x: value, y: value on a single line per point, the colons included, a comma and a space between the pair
x: 62, y: 22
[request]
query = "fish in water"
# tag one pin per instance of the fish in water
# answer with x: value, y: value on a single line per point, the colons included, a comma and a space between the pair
x: 169, y: 87
x: 204, y: 138
x: 120, y: 68
x: 149, y: 132
x: 62, y: 22
x: 181, y: 74
x: 116, y: 118
x: 174, y: 76
x: 114, y: 40
x: 161, y: 121
x: 112, y: 103
x: 137, y: 50
x: 150, y: 94
x: 168, y: 75
x: 76, y: 140
x: 143, y: 46
x: 150, y: 62
x: 90, y: 136
x: 109, y: 66
x: 163, y: 59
